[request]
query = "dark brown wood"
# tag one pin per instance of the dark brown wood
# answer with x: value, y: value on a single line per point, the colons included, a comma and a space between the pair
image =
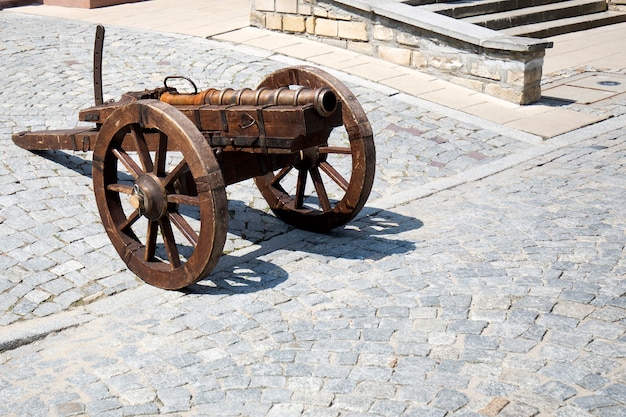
x: 240, y: 166
x: 78, y: 139
x: 97, y: 65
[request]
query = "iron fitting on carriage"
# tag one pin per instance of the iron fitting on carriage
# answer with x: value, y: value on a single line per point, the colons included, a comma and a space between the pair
x: 322, y: 99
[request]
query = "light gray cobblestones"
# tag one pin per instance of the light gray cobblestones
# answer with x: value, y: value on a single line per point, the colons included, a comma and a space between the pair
x: 506, y: 290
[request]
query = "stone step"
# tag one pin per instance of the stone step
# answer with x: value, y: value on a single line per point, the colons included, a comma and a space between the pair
x: 567, y: 25
x: 538, y: 14
x: 463, y: 9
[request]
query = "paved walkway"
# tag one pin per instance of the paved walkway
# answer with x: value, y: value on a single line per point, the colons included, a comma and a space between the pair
x: 577, y: 95
x: 485, y: 276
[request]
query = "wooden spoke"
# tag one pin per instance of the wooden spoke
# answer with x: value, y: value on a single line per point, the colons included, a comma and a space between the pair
x: 281, y: 174
x: 120, y: 188
x: 320, y: 189
x: 175, y: 174
x: 335, y: 175
x: 188, y: 200
x: 130, y: 220
x: 151, y: 241
x: 128, y: 162
x: 300, y: 188
x: 161, y: 156
x: 142, y: 147
x: 343, y: 150
x: 184, y: 227
x: 170, y: 242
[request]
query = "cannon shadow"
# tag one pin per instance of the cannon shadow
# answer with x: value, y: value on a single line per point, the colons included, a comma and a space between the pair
x: 370, y: 237
x: 75, y: 163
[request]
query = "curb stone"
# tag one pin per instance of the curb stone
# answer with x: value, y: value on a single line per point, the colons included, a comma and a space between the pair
x: 23, y: 333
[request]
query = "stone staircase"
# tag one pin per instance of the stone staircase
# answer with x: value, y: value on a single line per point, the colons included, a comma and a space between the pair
x: 531, y: 18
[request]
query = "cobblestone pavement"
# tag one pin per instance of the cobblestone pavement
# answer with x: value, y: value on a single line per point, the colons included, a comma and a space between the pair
x: 485, y: 276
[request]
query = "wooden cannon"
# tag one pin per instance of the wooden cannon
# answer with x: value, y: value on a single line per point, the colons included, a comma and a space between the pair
x: 162, y: 159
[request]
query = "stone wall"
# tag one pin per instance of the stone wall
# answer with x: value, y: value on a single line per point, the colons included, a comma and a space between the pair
x: 475, y: 57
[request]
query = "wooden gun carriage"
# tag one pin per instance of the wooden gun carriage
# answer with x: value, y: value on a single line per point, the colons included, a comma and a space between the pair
x: 162, y: 159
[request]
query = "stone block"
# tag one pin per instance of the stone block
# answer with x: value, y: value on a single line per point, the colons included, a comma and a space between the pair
x: 533, y: 71
x: 418, y: 60
x: 305, y: 8
x: 292, y: 23
x: 446, y: 62
x: 257, y: 19
x: 518, y: 72
x: 494, y: 407
x: 514, y: 76
x: 408, y: 39
x: 264, y: 5
x: 326, y: 27
x: 274, y: 21
x: 286, y: 6
x: 486, y: 69
x: 356, y: 31
x: 400, y: 56
x: 310, y: 25
x: 531, y: 94
x: 382, y: 33
x: 338, y: 16
x: 533, y: 76
x: 320, y: 12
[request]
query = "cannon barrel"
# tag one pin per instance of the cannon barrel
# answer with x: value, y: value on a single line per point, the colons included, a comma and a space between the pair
x: 323, y: 99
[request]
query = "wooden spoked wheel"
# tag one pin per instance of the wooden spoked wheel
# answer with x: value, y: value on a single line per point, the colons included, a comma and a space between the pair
x: 329, y: 184
x: 160, y: 193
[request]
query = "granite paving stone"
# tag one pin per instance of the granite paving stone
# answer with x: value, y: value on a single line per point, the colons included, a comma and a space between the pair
x: 466, y: 292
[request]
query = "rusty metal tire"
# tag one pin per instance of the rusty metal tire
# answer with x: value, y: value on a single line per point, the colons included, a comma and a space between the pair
x: 317, y: 163
x: 165, y: 211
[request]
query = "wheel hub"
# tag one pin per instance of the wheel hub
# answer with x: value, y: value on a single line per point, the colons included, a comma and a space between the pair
x: 308, y: 158
x: 149, y: 197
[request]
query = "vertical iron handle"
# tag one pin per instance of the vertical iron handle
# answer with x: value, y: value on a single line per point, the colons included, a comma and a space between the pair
x: 97, y: 65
